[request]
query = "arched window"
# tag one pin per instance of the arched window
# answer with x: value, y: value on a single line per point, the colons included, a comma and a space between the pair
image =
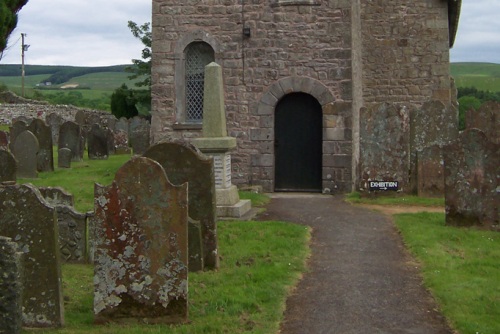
x: 197, y: 56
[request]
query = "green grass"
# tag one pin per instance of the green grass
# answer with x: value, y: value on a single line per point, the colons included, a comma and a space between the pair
x: 394, y: 199
x: 483, y: 76
x: 79, y: 179
x: 260, y: 263
x: 258, y: 200
x: 461, y: 268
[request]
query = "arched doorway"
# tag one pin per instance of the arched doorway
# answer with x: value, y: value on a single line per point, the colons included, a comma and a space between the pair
x: 298, y: 143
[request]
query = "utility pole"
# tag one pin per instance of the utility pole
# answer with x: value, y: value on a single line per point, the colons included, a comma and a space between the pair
x: 24, y: 48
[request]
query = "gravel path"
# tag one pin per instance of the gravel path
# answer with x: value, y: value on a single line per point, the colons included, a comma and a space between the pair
x: 361, y: 278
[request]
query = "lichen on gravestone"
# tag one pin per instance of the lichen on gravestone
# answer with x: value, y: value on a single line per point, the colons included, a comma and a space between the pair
x: 140, y: 239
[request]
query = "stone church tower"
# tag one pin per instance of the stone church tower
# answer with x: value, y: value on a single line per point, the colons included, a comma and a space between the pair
x: 296, y: 75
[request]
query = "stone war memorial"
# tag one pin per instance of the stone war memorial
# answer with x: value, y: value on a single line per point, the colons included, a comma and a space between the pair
x: 299, y: 78
x: 141, y: 247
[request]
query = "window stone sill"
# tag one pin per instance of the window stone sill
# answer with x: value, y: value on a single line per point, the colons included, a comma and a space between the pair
x: 187, y: 126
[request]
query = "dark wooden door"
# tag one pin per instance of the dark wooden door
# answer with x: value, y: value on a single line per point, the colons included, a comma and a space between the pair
x: 298, y: 143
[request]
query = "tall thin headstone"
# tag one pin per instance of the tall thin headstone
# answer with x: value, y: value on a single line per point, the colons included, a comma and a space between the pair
x: 45, y: 156
x: 216, y: 143
x: 97, y: 140
x: 26, y: 150
x: 70, y: 136
x: 31, y: 222
x: 141, y: 247
x: 54, y: 121
x: 184, y: 163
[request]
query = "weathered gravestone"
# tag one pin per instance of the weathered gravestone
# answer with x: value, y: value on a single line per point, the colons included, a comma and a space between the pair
x: 80, y: 117
x: 15, y: 130
x: 110, y: 141
x: 31, y: 222
x: 4, y: 140
x: 122, y: 125
x: 64, y: 158
x: 472, y: 181
x: 26, y: 150
x: 430, y: 171
x: 121, y: 142
x: 45, y: 156
x: 486, y: 119
x: 8, y: 167
x: 54, y: 121
x: 26, y: 120
x: 184, y: 163
x: 108, y: 121
x: 10, y: 287
x: 57, y: 196
x: 138, y: 134
x: 384, y: 145
x: 141, y: 253
x: 432, y: 124
x: 72, y: 225
x: 97, y: 140
x: 70, y: 136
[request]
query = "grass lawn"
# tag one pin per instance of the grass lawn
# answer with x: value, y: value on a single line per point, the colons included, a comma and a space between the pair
x: 460, y: 266
x: 260, y: 264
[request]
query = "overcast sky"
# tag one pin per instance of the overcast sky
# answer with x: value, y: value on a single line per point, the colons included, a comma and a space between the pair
x: 95, y: 32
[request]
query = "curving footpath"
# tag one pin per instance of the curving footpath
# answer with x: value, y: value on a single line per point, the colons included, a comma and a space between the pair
x: 360, y: 279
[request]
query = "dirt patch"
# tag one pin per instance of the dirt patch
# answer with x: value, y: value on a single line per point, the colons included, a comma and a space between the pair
x: 395, y: 209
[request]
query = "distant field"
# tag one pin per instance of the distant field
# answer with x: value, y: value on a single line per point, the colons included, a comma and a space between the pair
x: 483, y: 76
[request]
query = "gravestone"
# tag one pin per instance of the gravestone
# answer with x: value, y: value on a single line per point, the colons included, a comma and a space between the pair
x: 57, y: 196
x: 26, y: 150
x: 121, y: 142
x: 97, y: 140
x: 430, y: 171
x: 472, y: 182
x: 10, y: 287
x: 45, y: 157
x: 72, y: 227
x: 138, y: 134
x: 384, y: 145
x: 15, y: 130
x: 140, y: 256
x: 432, y: 124
x: 110, y: 141
x: 54, y: 121
x: 26, y: 120
x: 64, y: 158
x: 31, y: 222
x: 108, y: 121
x: 486, y: 119
x: 122, y: 125
x: 184, y: 163
x: 4, y: 140
x: 70, y: 136
x: 80, y: 117
x: 8, y: 167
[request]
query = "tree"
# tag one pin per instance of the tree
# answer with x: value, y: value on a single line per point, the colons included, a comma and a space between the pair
x: 8, y: 19
x: 123, y: 103
x: 142, y: 68
x: 466, y: 103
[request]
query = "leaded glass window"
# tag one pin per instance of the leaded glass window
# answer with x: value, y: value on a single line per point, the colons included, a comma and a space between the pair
x: 198, y: 55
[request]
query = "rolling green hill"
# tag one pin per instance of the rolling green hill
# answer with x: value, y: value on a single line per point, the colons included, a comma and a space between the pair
x: 483, y: 76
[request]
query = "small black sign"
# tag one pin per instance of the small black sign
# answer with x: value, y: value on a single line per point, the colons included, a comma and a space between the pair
x: 384, y: 185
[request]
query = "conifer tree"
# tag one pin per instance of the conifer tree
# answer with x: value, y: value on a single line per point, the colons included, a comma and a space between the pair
x: 8, y: 19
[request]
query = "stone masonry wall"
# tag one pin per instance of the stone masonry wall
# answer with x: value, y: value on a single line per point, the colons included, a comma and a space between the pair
x: 286, y: 42
x: 406, y: 51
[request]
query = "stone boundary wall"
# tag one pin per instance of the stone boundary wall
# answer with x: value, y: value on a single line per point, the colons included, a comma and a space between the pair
x: 33, y: 109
